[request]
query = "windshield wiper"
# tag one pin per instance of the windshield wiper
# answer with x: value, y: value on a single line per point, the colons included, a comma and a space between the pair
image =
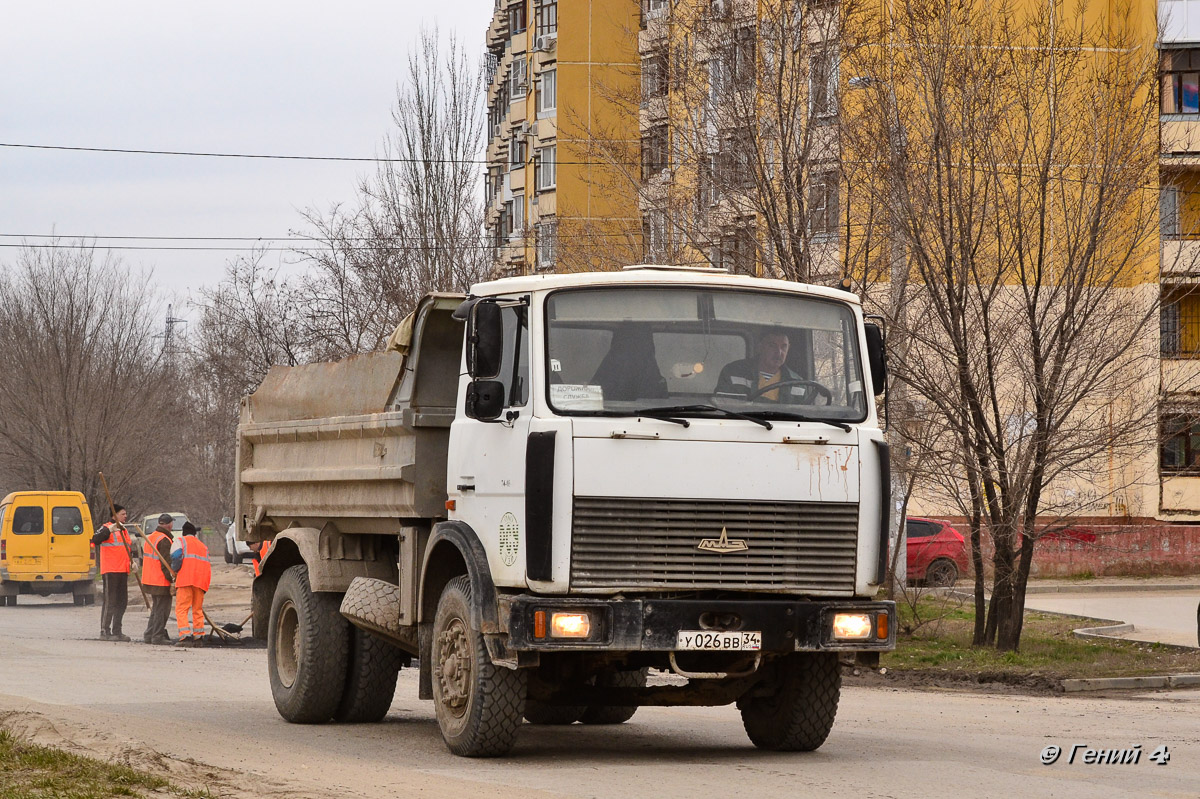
x: 798, y: 417
x: 675, y: 409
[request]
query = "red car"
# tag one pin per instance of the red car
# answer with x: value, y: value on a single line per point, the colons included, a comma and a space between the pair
x: 937, y: 553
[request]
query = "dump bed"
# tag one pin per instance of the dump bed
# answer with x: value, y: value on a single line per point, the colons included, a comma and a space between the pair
x: 359, y: 442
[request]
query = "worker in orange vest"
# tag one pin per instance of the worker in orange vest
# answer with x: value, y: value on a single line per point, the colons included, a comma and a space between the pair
x: 193, y: 575
x: 259, y: 555
x: 113, y: 544
x: 156, y: 579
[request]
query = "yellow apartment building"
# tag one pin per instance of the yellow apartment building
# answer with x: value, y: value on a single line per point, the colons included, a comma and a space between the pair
x: 1179, y: 456
x: 609, y: 144
x: 555, y: 70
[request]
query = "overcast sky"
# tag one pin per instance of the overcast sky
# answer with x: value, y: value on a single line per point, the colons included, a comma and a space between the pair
x: 254, y: 76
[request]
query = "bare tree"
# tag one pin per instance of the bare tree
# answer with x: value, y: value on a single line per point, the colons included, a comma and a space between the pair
x: 1010, y: 155
x: 86, y: 390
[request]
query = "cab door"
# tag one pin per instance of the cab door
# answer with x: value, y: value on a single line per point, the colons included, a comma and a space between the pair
x: 486, y: 476
x: 69, y: 545
x: 28, y: 542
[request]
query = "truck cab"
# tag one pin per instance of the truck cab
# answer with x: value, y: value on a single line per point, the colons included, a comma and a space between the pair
x: 574, y: 480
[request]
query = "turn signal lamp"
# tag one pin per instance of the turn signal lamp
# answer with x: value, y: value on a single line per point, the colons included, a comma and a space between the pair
x: 852, y: 626
x: 570, y: 625
x: 881, y: 626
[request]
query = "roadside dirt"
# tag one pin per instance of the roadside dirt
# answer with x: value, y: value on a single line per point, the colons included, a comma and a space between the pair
x: 81, y: 739
x: 991, y: 682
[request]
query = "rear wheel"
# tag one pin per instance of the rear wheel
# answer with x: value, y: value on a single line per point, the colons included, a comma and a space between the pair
x: 307, y: 643
x: 615, y: 714
x: 371, y: 676
x: 228, y: 554
x: 478, y: 705
x: 941, y: 573
x: 799, y: 714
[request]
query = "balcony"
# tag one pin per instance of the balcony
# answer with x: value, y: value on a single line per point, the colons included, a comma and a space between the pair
x: 1180, y: 258
x: 1180, y: 138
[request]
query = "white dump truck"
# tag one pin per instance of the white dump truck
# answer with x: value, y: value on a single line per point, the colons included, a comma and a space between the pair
x: 556, y: 484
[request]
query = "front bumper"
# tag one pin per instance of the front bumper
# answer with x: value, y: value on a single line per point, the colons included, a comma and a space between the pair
x: 652, y: 625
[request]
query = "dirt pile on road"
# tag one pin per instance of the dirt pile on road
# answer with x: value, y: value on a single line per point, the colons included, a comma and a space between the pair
x: 189, y: 774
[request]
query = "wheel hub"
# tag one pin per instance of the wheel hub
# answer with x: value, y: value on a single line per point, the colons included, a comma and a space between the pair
x: 454, y: 667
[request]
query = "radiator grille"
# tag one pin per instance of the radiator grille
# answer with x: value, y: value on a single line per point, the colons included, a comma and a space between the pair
x: 651, y: 544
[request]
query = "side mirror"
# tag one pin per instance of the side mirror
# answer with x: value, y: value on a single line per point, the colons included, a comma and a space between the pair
x: 225, y: 520
x: 485, y: 340
x: 876, y: 357
x: 485, y: 400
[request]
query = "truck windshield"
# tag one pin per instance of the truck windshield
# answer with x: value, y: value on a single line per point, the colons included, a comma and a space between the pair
x: 615, y: 352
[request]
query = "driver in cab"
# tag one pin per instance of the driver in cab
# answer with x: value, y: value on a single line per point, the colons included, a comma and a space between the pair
x: 752, y: 377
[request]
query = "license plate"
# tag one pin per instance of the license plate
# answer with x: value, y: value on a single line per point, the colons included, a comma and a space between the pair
x: 722, y: 642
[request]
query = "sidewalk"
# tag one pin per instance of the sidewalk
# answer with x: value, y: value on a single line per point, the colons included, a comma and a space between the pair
x: 1157, y: 609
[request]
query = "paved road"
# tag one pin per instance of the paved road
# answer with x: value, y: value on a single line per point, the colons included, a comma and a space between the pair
x: 1165, y: 616
x: 129, y: 702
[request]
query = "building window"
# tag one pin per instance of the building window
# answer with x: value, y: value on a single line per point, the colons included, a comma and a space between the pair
x: 518, y: 79
x: 1168, y: 211
x: 1180, y: 451
x: 655, y: 77
x: 518, y: 215
x: 547, y: 244
x: 654, y: 151
x: 735, y: 251
x: 718, y: 81
x: 547, y: 92
x: 742, y: 59
x: 1179, y: 323
x: 546, y: 168
x: 823, y: 84
x: 547, y: 18
x: 1181, y: 81
x: 517, y: 151
x: 516, y: 19
x: 823, y: 203
x: 708, y: 192
x: 654, y: 235
x: 653, y: 9
x: 736, y: 159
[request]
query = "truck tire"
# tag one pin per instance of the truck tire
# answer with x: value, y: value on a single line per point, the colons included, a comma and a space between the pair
x: 799, y: 716
x: 478, y: 705
x: 615, y: 714
x: 228, y: 554
x: 371, y: 676
x: 307, y: 643
x: 541, y: 713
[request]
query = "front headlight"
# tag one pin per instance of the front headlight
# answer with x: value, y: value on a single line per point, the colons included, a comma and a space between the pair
x: 851, y: 626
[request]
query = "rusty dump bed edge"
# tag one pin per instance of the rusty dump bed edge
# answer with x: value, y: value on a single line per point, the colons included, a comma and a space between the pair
x: 356, y: 386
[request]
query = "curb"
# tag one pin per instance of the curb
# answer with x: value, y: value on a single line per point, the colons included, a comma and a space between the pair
x: 1111, y: 588
x: 1108, y: 683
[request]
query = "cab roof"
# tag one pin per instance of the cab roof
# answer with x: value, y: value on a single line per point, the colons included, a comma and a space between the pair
x: 655, y: 275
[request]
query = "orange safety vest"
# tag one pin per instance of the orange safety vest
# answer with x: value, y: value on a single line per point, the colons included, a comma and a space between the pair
x: 114, y: 553
x: 151, y: 555
x: 195, y: 570
x: 262, y: 555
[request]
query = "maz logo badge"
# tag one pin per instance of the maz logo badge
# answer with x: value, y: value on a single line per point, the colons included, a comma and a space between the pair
x: 723, y: 544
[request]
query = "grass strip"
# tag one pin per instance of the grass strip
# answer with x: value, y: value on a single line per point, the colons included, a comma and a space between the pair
x: 935, y: 635
x: 32, y: 771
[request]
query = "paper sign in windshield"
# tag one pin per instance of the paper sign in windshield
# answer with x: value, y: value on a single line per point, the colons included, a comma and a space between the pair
x: 577, y: 398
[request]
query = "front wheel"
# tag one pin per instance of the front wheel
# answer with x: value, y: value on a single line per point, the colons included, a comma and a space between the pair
x: 478, y: 705
x: 307, y: 643
x: 798, y: 715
